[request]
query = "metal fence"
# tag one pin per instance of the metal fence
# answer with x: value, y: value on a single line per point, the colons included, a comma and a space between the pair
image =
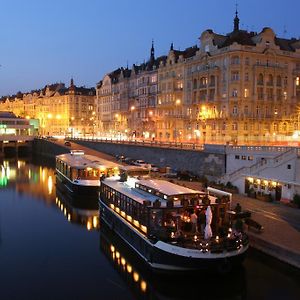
x: 147, y: 143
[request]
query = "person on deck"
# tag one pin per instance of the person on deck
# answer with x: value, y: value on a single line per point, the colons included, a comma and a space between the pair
x: 194, y: 219
x: 238, y: 208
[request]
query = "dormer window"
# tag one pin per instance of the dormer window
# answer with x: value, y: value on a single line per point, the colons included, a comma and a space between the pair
x: 206, y: 48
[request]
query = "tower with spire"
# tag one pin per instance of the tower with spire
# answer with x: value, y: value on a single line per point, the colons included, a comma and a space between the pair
x: 152, y: 56
x: 72, y: 87
x: 236, y: 20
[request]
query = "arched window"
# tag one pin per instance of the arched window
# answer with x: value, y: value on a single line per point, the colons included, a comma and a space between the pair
x: 270, y: 79
x: 284, y: 126
x: 195, y: 83
x: 203, y: 81
x: 278, y: 80
x: 260, y: 79
x: 212, y: 80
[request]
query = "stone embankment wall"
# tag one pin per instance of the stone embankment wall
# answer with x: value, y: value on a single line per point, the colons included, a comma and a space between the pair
x: 210, y: 162
x: 47, y: 148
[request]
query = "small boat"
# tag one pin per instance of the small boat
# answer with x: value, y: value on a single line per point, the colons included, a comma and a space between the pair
x: 155, y: 218
x: 80, y: 173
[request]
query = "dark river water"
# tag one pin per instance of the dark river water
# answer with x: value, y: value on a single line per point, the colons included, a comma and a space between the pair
x: 52, y: 246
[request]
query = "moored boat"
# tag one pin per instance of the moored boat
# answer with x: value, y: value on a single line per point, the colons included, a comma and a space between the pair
x: 80, y: 172
x: 163, y: 223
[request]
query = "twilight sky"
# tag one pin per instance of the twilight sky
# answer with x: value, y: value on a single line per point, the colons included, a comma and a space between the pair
x: 47, y: 41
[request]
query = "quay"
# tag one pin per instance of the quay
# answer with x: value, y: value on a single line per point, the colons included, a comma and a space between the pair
x: 281, y: 235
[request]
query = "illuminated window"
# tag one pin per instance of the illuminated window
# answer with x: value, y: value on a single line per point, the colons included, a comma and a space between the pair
x: 246, y: 93
x: 297, y: 81
x: 235, y: 110
x: 285, y: 95
x: 234, y: 93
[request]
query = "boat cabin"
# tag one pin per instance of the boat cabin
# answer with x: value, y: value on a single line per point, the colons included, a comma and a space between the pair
x: 161, y: 209
x: 77, y: 165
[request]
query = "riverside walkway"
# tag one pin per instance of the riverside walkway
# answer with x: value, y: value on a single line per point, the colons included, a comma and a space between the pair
x: 281, y: 235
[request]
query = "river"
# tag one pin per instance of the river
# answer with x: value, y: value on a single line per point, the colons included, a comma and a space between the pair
x: 53, y: 247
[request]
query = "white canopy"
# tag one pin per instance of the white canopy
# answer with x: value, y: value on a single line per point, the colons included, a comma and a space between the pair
x: 207, y: 230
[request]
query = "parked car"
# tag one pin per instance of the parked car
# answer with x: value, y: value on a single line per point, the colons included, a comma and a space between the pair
x: 67, y: 143
x: 120, y: 157
x: 171, y: 173
x: 129, y: 160
x: 154, y: 168
x: 142, y: 163
x: 186, y: 175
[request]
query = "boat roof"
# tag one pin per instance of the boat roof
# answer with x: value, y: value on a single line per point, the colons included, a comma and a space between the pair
x: 85, y: 160
x: 168, y: 188
x: 128, y: 189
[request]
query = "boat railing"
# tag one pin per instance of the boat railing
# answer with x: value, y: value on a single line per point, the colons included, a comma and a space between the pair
x: 213, y: 245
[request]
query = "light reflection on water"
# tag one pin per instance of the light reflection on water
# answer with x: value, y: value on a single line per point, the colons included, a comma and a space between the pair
x: 52, y: 247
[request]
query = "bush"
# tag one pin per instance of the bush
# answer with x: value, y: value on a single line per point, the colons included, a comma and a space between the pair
x: 229, y: 185
x: 296, y: 200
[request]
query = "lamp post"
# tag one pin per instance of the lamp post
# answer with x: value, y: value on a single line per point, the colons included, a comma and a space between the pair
x: 177, y: 104
x: 132, y: 109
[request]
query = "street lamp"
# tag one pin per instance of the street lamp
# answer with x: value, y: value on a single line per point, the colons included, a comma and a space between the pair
x: 177, y: 103
x: 132, y: 108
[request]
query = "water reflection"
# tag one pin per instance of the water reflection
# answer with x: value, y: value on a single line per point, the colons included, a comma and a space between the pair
x: 149, y: 285
x: 79, y: 210
x: 28, y: 179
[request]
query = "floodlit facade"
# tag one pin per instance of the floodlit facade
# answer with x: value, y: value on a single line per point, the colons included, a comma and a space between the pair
x: 243, y: 87
x: 238, y: 88
x: 60, y: 110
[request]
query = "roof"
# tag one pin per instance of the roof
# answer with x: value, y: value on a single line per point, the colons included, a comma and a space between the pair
x: 84, y: 161
x: 7, y: 114
x: 167, y: 188
x: 127, y: 189
x: 243, y: 37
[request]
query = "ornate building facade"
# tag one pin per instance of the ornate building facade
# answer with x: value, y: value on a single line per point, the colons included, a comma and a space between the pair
x: 60, y: 110
x: 243, y: 87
